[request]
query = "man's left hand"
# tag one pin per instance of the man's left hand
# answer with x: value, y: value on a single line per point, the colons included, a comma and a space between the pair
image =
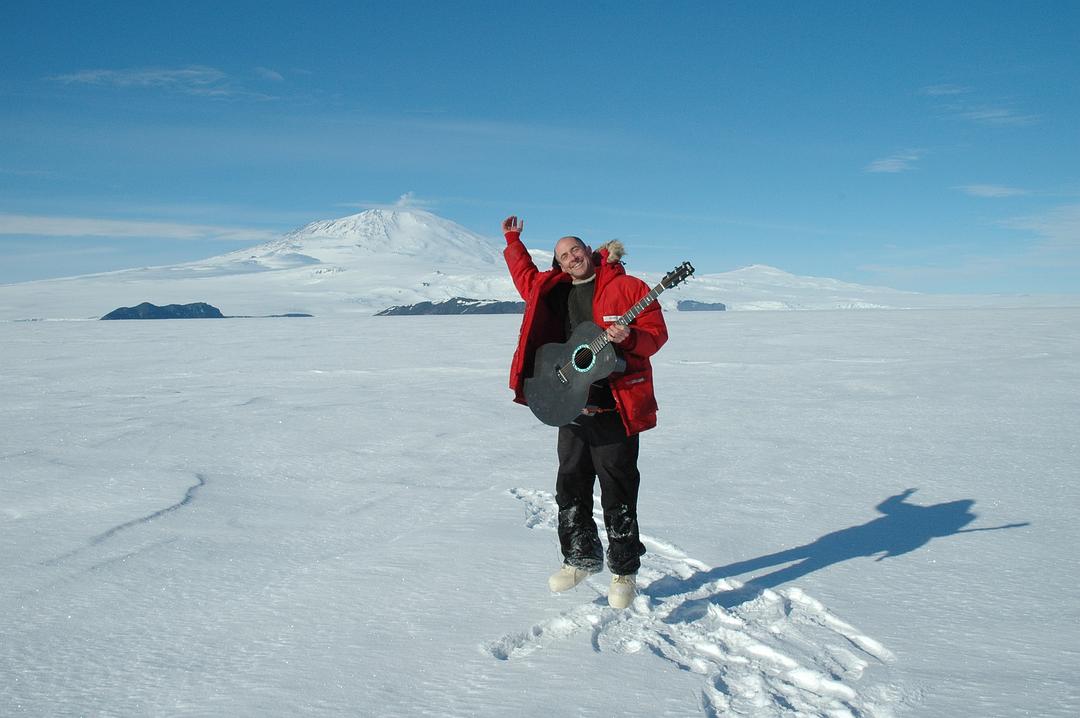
x: 618, y: 333
x: 513, y: 224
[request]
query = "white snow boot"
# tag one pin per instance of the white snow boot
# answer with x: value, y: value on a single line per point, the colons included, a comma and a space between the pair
x: 622, y: 591
x: 567, y: 577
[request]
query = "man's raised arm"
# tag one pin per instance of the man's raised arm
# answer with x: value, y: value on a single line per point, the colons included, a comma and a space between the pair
x: 523, y: 270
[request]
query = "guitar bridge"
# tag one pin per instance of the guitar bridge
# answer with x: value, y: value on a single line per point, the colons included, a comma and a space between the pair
x: 562, y: 377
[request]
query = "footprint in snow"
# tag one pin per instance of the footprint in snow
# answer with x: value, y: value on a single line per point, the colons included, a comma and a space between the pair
x: 762, y: 652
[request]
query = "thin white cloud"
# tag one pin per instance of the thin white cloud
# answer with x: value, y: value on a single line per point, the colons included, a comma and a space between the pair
x: 899, y: 162
x: 184, y: 78
x: 67, y: 253
x: 945, y: 90
x: 991, y: 190
x: 514, y: 133
x: 960, y: 101
x: 1002, y: 116
x: 976, y: 267
x: 26, y: 173
x: 409, y: 200
x: 964, y: 268
x: 707, y: 219
x: 267, y: 74
x: 1052, y: 244
x: 191, y: 80
x: 1059, y: 226
x: 46, y: 226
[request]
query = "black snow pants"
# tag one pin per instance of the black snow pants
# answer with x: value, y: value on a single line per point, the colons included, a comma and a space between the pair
x: 590, y: 447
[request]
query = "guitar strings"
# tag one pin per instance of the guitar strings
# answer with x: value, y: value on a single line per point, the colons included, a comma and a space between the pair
x: 597, y: 345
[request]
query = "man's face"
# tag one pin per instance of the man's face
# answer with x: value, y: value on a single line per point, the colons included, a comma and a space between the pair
x: 574, y: 258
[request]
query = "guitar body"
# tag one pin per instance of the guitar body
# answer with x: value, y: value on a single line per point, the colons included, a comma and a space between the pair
x: 562, y: 374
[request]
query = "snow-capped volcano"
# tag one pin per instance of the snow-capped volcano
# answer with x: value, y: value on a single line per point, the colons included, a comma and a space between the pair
x: 362, y: 263
x: 375, y: 232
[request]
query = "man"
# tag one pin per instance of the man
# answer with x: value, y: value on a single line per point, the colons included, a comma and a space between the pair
x: 583, y: 285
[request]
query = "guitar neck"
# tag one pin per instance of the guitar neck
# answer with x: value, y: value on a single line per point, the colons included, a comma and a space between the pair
x: 631, y: 314
x: 642, y: 305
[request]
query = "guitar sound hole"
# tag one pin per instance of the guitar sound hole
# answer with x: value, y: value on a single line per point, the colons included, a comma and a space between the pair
x: 583, y: 359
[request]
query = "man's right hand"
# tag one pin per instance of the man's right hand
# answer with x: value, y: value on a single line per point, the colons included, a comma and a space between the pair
x: 512, y: 224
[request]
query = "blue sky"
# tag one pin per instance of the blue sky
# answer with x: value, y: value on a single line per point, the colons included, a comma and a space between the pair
x: 932, y: 146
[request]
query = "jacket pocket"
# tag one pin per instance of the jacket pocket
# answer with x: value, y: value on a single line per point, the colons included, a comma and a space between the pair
x: 635, y: 394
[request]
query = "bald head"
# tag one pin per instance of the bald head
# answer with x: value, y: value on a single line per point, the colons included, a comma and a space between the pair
x: 574, y: 257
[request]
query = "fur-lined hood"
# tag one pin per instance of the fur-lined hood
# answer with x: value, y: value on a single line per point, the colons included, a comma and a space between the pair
x: 615, y: 251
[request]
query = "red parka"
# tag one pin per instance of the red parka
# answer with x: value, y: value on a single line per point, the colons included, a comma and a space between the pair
x: 614, y: 294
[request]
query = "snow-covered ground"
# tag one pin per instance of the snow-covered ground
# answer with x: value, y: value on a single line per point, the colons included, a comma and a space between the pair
x: 847, y: 514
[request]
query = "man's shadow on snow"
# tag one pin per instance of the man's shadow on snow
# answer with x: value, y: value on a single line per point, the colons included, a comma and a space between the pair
x: 903, y: 528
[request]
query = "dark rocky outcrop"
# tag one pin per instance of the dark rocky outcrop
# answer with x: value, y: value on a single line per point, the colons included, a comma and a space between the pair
x: 455, y: 305
x: 146, y: 310
x: 268, y: 316
x: 690, y: 305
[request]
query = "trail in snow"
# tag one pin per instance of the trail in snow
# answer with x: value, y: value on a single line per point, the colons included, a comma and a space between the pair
x: 189, y: 496
x: 762, y: 651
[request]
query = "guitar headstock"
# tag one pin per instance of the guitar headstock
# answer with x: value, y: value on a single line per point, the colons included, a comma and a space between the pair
x: 678, y: 275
